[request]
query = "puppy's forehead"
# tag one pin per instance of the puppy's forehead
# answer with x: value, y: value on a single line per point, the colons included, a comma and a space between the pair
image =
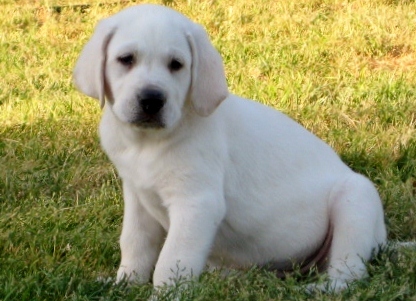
x: 151, y: 32
x: 155, y: 28
x: 151, y: 18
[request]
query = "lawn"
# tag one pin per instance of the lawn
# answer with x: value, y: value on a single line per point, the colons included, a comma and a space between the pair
x: 346, y: 70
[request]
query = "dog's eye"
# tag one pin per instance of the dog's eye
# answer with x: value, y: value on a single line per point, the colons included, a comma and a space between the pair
x: 126, y: 60
x: 175, y: 65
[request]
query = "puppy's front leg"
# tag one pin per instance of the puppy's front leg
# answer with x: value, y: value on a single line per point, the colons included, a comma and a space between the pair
x: 140, y: 240
x: 193, y: 225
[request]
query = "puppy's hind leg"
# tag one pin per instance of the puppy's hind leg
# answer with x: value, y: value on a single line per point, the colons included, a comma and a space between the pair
x: 357, y: 219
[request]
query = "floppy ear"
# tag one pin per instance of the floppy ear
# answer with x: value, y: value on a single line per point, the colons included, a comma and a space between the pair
x: 209, y: 85
x: 89, y: 71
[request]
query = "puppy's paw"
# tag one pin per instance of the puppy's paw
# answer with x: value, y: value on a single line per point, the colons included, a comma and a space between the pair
x: 131, y: 276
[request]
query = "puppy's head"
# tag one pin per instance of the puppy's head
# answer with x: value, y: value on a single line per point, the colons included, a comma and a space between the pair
x: 150, y: 64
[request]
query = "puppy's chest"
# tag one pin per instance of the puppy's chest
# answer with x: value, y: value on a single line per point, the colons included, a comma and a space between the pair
x: 142, y: 167
x: 144, y: 172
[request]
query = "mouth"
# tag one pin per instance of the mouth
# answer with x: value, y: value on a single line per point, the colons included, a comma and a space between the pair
x: 145, y: 121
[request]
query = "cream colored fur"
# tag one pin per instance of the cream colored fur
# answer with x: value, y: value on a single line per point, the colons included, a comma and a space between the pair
x: 212, y: 178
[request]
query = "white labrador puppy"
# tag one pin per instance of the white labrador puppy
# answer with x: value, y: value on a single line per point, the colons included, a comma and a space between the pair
x: 210, y: 178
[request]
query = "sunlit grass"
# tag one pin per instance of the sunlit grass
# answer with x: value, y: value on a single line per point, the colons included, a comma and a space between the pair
x: 346, y: 70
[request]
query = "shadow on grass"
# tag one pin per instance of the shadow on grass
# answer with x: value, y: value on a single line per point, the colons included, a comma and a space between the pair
x: 52, y: 249
x: 52, y: 158
x: 402, y: 165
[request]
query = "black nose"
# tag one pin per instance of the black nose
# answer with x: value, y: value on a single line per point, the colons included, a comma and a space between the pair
x: 151, y: 101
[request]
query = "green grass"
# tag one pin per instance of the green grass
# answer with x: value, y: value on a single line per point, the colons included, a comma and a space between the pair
x: 346, y: 70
